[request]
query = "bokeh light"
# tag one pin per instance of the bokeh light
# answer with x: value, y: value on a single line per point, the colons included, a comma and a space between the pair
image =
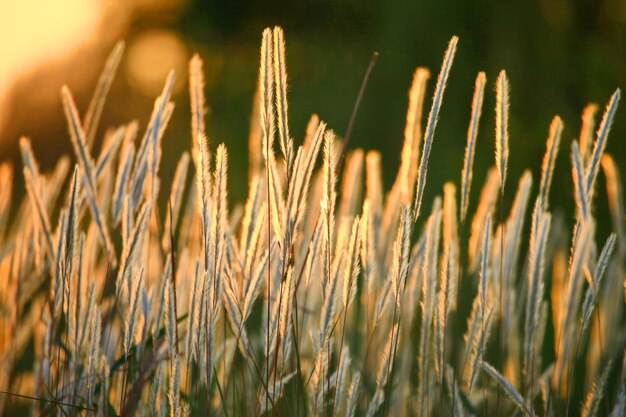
x: 151, y: 56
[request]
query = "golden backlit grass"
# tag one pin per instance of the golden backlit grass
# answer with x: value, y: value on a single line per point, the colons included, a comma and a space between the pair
x: 323, y: 294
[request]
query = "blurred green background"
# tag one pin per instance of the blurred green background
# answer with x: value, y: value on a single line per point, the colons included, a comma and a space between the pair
x: 559, y: 56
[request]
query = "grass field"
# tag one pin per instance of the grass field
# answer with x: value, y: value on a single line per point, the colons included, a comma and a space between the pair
x: 126, y: 290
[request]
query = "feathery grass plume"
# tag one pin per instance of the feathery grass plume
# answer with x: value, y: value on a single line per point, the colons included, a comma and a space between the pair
x: 86, y: 163
x: 266, y: 93
x: 250, y: 220
x: 329, y: 307
x: 513, y: 232
x: 163, y: 109
x: 30, y: 164
x: 534, y: 298
x: 400, y: 265
x: 472, y: 338
x: 317, y: 379
x: 593, y: 166
x: 368, y: 251
x: 407, y: 173
x: 511, y: 245
x: 432, y: 122
x: 130, y: 324
x: 486, y: 206
x: 59, y: 281
x: 450, y: 260
x: 382, y: 300
x: 234, y: 316
x: 353, y: 394
x: 580, y: 186
x: 484, y: 262
x: 328, y: 204
x: 352, y: 266
x: 580, y: 253
x: 591, y: 295
x: 480, y: 317
x: 156, y: 391
x: 191, y: 342
x: 122, y: 177
x: 220, y: 208
x: 515, y: 396
x: 429, y: 286
x: 286, y: 310
x: 549, y: 159
x: 132, y: 246
x: 280, y: 78
x: 94, y: 353
x: 196, y: 96
x: 205, y: 337
x: 174, y: 391
x: 203, y: 185
x: 502, y: 126
x: 149, y: 152
x: 90, y: 307
x: 94, y: 111
x: 214, y: 254
x: 72, y: 228
x: 297, y: 202
x: 297, y: 193
x: 414, y: 276
x: 615, y: 197
x: 470, y: 149
x: 275, y: 196
x: 594, y: 398
x: 276, y: 391
x: 446, y: 295
x: 255, y: 283
x: 586, y: 130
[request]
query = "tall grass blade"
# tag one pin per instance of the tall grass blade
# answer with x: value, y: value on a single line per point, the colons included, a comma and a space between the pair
x: 433, y: 116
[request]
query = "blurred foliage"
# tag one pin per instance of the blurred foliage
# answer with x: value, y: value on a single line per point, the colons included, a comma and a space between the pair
x: 559, y: 56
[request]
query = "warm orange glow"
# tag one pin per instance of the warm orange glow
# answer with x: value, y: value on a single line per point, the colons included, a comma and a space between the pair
x: 151, y: 56
x: 36, y: 31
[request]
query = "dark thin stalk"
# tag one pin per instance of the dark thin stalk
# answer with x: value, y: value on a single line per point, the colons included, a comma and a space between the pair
x: 44, y: 400
x: 355, y: 109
